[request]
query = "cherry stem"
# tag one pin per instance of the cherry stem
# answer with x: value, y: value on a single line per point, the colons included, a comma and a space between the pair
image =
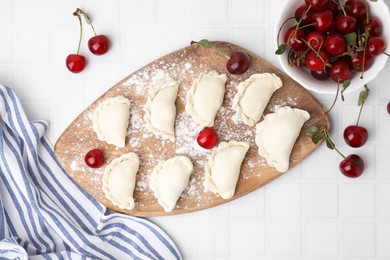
x: 386, y: 53
x: 361, y: 106
x: 342, y: 8
x: 300, y: 20
x: 367, y: 15
x: 342, y: 155
x: 280, y: 30
x: 307, y: 25
x: 81, y: 31
x: 329, y: 141
x: 360, y: 112
x: 88, y: 20
x: 335, y: 99
x: 364, y: 56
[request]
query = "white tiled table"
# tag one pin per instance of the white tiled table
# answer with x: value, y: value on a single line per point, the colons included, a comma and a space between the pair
x: 312, y: 212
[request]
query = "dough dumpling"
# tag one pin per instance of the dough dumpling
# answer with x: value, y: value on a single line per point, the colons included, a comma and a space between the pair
x: 169, y: 179
x: 277, y: 134
x: 160, y: 110
x: 223, y: 167
x: 205, y: 97
x: 111, y: 120
x: 119, y: 180
x: 253, y: 96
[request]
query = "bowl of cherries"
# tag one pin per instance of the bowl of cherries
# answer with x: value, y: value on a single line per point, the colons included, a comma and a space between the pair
x: 326, y: 45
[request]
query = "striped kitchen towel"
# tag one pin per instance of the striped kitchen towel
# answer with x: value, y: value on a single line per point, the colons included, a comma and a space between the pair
x: 44, y: 214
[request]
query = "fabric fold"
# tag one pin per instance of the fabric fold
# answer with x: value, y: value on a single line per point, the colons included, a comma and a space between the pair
x: 45, y: 214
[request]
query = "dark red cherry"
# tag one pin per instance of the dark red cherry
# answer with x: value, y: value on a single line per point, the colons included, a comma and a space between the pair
x: 346, y: 24
x: 207, y: 138
x: 238, y: 63
x: 373, y: 27
x: 317, y: 62
x: 315, y: 40
x: 94, y: 158
x: 355, y: 136
x: 75, y: 62
x: 335, y: 44
x: 301, y: 14
x: 356, y: 8
x: 317, y: 5
x: 320, y: 74
x: 362, y: 62
x: 99, y: 44
x: 375, y: 45
x: 294, y: 38
x: 352, y: 166
x: 340, y: 71
x: 388, y: 107
x: 323, y: 21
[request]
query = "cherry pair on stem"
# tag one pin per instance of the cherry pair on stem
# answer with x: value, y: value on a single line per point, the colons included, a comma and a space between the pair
x: 98, y: 45
x: 351, y: 166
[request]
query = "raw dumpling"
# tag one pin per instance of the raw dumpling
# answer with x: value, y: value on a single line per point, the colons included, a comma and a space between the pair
x: 253, y: 96
x: 205, y: 97
x: 111, y: 120
x: 169, y: 179
x: 223, y: 167
x: 277, y: 133
x: 119, y: 180
x: 160, y: 110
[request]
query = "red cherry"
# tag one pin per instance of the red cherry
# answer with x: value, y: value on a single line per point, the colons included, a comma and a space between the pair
x: 360, y: 59
x: 334, y: 7
x: 94, y: 158
x: 294, y: 37
x: 99, y: 44
x: 352, y: 166
x: 323, y: 21
x: 238, y: 63
x: 373, y: 27
x: 75, y: 62
x: 317, y: 62
x: 301, y: 14
x: 346, y: 24
x: 356, y: 8
x: 207, y: 138
x: 315, y: 40
x: 335, y: 44
x: 388, y: 107
x: 317, y: 5
x: 355, y: 136
x: 375, y: 45
x: 320, y: 74
x: 340, y: 71
x: 297, y: 57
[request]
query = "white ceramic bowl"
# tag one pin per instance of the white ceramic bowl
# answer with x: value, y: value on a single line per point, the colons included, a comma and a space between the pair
x: 302, y: 76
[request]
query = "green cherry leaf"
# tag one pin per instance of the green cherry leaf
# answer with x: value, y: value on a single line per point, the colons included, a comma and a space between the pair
x: 330, y: 144
x: 205, y: 43
x: 318, y: 137
x: 351, y: 38
x: 374, y: 0
x: 312, y: 130
x: 362, y: 97
x: 281, y: 49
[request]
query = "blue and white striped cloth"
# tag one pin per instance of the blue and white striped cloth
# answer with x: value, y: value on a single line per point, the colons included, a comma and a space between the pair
x: 44, y: 214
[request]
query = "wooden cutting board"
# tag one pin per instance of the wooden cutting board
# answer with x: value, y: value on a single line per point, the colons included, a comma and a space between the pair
x: 184, y: 65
